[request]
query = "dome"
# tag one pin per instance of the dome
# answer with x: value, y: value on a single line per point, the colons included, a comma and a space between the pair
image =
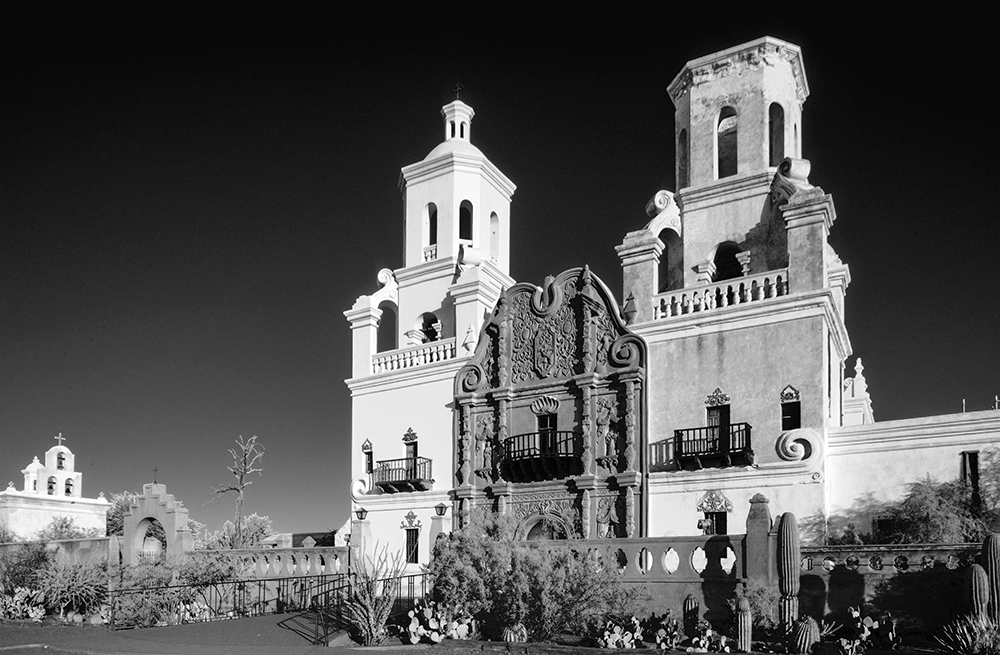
x: 452, y: 146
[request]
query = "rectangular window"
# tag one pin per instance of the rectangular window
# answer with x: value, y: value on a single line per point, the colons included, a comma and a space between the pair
x: 369, y: 462
x: 547, y: 433
x: 412, y: 546
x: 411, y: 450
x: 717, y: 523
x: 718, y: 429
x: 791, y: 416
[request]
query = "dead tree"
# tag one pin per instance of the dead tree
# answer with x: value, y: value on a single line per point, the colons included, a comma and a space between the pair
x: 245, y: 462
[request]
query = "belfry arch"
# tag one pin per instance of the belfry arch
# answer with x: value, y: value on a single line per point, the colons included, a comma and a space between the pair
x: 156, y: 503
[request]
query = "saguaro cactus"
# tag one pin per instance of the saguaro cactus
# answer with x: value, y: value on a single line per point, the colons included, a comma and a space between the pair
x: 744, y: 625
x: 789, y: 558
x: 991, y: 563
x: 691, y: 609
x: 979, y: 592
x: 806, y: 635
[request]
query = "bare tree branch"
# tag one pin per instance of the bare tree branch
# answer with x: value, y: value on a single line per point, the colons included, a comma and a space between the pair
x: 245, y: 462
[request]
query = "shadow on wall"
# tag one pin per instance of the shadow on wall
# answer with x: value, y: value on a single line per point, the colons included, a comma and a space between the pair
x: 718, y: 590
x: 818, y: 530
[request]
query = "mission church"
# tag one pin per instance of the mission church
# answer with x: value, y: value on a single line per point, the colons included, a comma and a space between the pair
x: 716, y: 374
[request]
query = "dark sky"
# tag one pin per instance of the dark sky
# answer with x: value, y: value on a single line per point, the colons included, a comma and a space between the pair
x: 192, y: 194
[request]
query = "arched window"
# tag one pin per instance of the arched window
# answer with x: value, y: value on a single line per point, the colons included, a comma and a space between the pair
x: 726, y: 142
x: 429, y: 326
x: 461, y: 127
x: 465, y: 221
x: 776, y: 134
x: 452, y: 124
x: 51, y: 488
x: 60, y: 461
x: 682, y: 160
x: 430, y: 224
x: 671, y: 271
x: 727, y: 266
x: 69, y: 488
x: 494, y: 237
x: 386, y: 339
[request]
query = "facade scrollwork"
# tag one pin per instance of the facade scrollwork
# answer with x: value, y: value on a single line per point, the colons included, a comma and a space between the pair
x: 798, y: 445
x: 717, y: 398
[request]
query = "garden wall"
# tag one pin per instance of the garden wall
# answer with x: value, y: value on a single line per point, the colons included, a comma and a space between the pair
x: 921, y: 585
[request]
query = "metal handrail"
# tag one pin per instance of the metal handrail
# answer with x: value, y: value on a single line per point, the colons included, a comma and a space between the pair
x: 695, y: 442
x: 546, y: 443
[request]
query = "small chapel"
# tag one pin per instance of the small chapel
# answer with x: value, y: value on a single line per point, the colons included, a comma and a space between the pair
x: 51, y: 490
x: 716, y: 372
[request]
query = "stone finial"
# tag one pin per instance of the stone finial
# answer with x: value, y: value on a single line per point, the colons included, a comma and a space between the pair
x: 470, y: 340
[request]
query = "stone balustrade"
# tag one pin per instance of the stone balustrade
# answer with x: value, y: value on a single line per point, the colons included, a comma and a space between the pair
x: 887, y: 559
x: 430, y: 253
x: 287, y: 562
x: 728, y: 293
x: 412, y: 356
x: 668, y: 559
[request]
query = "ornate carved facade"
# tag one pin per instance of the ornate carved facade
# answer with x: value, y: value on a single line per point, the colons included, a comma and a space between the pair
x: 549, y: 412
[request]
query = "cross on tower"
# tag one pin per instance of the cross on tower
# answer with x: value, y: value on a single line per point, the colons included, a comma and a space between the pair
x: 59, y: 438
x: 457, y: 90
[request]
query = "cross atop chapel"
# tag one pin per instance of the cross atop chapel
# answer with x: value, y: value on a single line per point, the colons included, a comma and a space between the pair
x: 59, y: 438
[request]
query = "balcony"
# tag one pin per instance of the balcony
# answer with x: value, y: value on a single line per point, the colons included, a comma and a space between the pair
x: 536, y: 456
x: 413, y: 356
x: 713, y: 446
x: 719, y: 295
x: 402, y: 475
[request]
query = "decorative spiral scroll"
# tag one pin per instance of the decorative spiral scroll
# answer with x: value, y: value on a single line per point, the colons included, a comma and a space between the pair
x: 798, y: 445
x: 795, y: 169
x: 626, y: 351
x: 385, y: 276
x: 472, y: 377
x: 547, y: 300
x: 660, y: 201
x: 359, y: 488
x: 545, y: 405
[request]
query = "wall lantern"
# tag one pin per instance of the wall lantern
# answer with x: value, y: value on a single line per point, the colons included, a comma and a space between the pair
x: 440, y: 509
x: 362, y: 513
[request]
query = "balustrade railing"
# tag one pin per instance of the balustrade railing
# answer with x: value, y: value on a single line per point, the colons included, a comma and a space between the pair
x: 412, y: 356
x: 541, y: 444
x: 727, y: 293
x: 430, y: 253
x: 402, y: 470
x: 284, y: 562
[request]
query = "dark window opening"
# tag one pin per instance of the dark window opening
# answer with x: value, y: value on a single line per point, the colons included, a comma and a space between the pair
x: 776, y: 134
x: 727, y: 267
x: 718, y: 427
x: 412, y: 546
x: 51, y: 487
x: 452, y: 124
x: 465, y: 221
x: 69, y: 488
x: 791, y: 416
x: 432, y: 224
x: 60, y: 461
x: 547, y: 428
x: 715, y: 523
x: 411, y: 450
x: 369, y: 462
x: 726, y: 142
x: 386, y: 335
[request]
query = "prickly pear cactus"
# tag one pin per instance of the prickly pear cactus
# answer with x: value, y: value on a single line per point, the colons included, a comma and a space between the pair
x: 789, y: 557
x: 744, y: 625
x: 691, y: 610
x: 805, y: 635
x: 991, y: 563
x: 979, y: 592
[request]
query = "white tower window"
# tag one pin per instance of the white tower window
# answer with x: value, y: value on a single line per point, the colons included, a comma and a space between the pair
x: 726, y: 142
x: 776, y: 134
x: 465, y: 221
x: 683, y: 178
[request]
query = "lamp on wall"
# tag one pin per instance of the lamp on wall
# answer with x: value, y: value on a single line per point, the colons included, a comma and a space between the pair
x: 440, y: 509
x: 362, y: 513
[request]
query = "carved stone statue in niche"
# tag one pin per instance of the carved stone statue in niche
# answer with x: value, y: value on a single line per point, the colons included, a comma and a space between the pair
x: 484, y: 449
x: 607, y: 437
x: 607, y: 517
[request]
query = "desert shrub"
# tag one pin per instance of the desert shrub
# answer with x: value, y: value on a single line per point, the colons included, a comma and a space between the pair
x: 763, y: 600
x: 970, y: 635
x: 143, y: 596
x: 19, y: 566
x: 23, y: 604
x: 503, y: 582
x: 7, y: 536
x: 80, y: 588
x: 209, y: 579
x: 373, y: 592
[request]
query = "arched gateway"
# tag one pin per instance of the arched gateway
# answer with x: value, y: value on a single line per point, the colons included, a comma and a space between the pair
x: 156, y: 504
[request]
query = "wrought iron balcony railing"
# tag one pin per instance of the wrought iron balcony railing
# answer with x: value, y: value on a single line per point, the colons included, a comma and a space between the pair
x: 405, y: 474
x: 717, y: 445
x: 541, y: 456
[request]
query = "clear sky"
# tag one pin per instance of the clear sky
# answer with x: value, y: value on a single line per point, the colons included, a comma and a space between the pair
x: 192, y: 194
